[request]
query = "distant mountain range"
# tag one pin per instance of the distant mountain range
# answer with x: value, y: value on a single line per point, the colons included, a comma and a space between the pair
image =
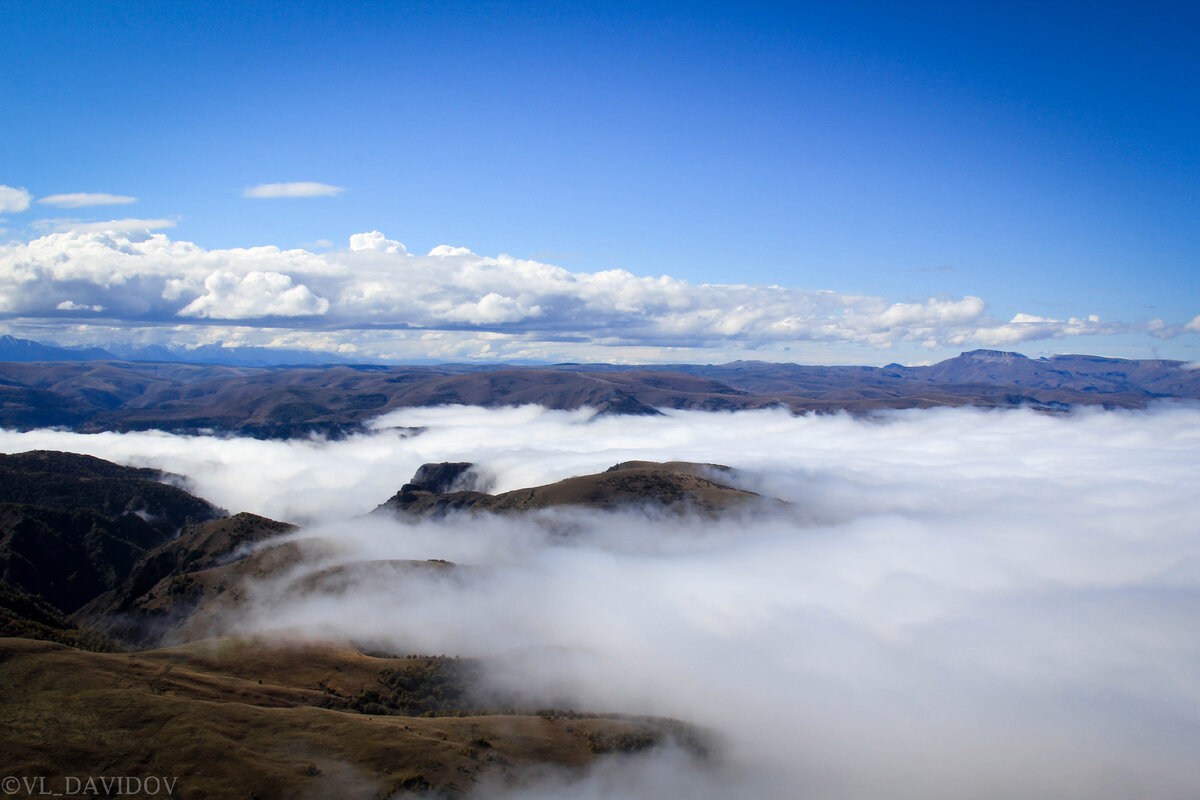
x: 283, y: 401
x: 25, y: 350
x: 13, y: 349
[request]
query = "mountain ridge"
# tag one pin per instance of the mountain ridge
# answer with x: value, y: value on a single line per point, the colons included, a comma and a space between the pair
x: 681, y: 486
x: 281, y: 402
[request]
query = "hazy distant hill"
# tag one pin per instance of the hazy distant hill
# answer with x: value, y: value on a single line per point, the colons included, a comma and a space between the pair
x: 13, y: 349
x: 228, y: 356
x: 279, y: 402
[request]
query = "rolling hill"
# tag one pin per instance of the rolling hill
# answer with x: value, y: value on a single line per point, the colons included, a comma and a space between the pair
x: 282, y: 402
x: 118, y: 594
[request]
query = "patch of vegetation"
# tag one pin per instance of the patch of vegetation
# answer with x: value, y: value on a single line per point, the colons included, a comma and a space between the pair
x: 631, y: 742
x: 68, y: 557
x: 413, y: 783
x: 439, y: 686
x: 422, y: 686
x: 25, y: 616
x: 72, y: 482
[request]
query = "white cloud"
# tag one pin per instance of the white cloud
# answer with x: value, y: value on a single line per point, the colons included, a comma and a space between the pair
x: 449, y: 250
x: 255, y: 294
x: 71, y: 305
x: 297, y: 189
x: 1161, y: 330
x: 375, y: 241
x: 82, y: 199
x: 1027, y: 327
x: 491, y: 309
x: 487, y: 306
x: 127, y: 225
x: 13, y: 200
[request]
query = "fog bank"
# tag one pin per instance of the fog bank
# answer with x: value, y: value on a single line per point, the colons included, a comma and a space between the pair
x: 961, y: 603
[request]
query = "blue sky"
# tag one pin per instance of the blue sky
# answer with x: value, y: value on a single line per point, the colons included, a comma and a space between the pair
x: 884, y: 163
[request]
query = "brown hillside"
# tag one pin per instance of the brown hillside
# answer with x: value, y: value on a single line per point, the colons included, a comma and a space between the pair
x: 235, y: 719
x: 677, y: 485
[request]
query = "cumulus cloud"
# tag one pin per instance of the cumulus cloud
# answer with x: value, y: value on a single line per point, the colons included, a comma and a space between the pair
x: 71, y: 305
x: 1161, y: 330
x: 962, y: 602
x: 83, y: 199
x: 296, y: 189
x: 13, y: 200
x: 499, y: 306
x: 1027, y: 327
x: 376, y: 241
x: 255, y: 294
x: 448, y: 250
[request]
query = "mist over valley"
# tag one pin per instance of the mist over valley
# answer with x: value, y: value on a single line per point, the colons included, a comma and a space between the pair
x: 910, y: 603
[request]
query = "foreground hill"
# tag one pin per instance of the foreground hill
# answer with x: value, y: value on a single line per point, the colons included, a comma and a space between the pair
x: 231, y: 718
x: 280, y: 402
x: 102, y: 565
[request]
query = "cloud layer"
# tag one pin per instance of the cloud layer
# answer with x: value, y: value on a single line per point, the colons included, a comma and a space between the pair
x: 13, y: 200
x: 377, y: 285
x: 85, y: 199
x: 964, y: 603
x: 297, y: 189
x: 117, y: 227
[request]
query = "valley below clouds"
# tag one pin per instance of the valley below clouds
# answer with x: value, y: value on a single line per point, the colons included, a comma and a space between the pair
x: 950, y: 603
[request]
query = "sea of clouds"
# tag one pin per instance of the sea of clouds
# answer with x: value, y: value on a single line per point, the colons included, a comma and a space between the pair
x: 956, y: 603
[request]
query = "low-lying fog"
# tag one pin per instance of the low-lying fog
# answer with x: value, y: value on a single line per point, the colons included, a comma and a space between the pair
x: 961, y: 604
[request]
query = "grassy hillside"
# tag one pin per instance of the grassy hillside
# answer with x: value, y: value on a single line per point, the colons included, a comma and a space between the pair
x: 232, y: 718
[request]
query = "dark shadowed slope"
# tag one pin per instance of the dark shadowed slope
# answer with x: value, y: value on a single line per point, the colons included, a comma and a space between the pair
x: 73, y: 482
x: 72, y: 526
x: 170, y: 584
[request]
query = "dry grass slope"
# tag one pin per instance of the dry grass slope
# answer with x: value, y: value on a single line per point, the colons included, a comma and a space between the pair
x: 252, y: 719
